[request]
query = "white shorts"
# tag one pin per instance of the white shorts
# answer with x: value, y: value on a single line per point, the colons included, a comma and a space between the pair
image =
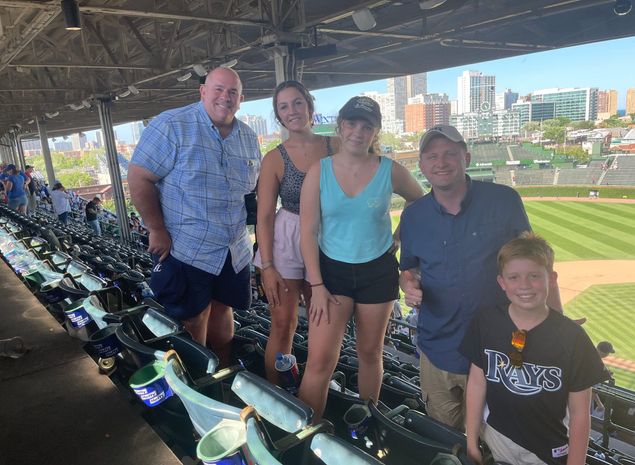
x: 287, y: 257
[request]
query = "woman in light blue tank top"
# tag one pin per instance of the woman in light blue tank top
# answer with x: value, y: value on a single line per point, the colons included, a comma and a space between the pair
x: 348, y: 250
x: 278, y: 233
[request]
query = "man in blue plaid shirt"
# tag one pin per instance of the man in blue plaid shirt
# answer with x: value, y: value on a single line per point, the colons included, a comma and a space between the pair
x: 188, y: 178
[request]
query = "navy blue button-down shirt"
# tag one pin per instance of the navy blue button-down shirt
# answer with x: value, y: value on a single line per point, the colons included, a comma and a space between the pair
x: 456, y: 255
x: 202, y: 185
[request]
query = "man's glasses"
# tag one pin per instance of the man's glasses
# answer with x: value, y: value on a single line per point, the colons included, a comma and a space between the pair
x: 519, y: 338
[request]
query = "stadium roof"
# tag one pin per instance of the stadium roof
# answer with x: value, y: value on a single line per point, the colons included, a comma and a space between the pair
x: 126, y: 46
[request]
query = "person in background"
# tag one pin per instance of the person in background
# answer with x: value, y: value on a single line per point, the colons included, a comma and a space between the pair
x: 349, y: 250
x: 282, y: 270
x: 15, y: 183
x: 604, y: 349
x: 92, y: 215
x: 531, y: 365
x: 61, y: 202
x: 188, y: 178
x: 31, y: 197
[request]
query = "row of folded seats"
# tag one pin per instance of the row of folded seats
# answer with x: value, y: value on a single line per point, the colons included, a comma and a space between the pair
x: 231, y: 413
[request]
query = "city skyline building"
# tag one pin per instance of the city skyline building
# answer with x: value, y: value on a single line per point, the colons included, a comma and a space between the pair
x: 255, y: 122
x: 475, y: 92
x: 425, y: 111
x: 607, y: 102
x: 402, y: 88
x: 78, y: 140
x: 577, y: 104
x: 506, y: 99
x: 630, y: 101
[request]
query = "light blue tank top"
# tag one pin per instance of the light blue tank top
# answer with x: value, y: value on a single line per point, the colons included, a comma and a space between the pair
x: 355, y: 229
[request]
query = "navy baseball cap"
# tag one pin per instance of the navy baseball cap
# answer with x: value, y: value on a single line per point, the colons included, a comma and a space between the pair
x: 362, y: 108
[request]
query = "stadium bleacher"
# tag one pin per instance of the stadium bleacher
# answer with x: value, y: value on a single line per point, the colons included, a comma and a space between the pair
x: 621, y: 171
x: 485, y: 153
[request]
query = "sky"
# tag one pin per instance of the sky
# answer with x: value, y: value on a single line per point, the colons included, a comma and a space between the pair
x: 606, y: 65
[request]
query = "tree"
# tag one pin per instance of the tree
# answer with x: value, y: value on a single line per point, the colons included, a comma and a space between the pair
x: 531, y: 126
x: 272, y: 144
x: 390, y: 140
x: 75, y: 179
x: 583, y: 125
x: 554, y: 133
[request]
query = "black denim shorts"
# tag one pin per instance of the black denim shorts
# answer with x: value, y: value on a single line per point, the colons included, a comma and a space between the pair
x: 373, y: 282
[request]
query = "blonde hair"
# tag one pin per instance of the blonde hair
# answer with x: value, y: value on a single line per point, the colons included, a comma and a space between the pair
x: 529, y: 246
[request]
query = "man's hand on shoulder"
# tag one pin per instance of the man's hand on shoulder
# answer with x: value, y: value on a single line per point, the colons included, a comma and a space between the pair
x: 160, y: 243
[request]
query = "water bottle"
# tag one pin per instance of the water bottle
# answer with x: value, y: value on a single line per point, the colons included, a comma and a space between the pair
x: 287, y: 368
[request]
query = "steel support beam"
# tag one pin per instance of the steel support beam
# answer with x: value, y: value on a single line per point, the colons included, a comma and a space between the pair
x: 104, y: 106
x: 48, y: 162
x: 18, y: 145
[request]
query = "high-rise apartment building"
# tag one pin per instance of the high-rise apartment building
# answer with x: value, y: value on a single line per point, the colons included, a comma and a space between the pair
x: 404, y: 87
x: 630, y: 101
x: 255, y: 122
x: 78, y: 140
x: 425, y: 111
x: 389, y: 123
x: 137, y: 129
x: 505, y: 100
x: 99, y: 139
x: 476, y: 92
x: 607, y: 101
x: 577, y: 104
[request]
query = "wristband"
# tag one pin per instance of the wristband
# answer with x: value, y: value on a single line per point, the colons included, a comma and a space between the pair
x: 266, y: 265
x: 317, y: 284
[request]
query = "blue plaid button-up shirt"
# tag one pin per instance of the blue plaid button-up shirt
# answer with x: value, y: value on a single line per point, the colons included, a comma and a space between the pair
x: 203, y: 181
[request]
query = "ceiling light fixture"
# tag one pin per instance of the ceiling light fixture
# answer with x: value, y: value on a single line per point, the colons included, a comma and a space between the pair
x: 200, y: 70
x: 86, y: 103
x: 230, y: 63
x: 364, y: 19
x: 133, y: 90
x: 71, y: 15
x: 123, y: 94
x: 430, y: 4
x: 185, y: 77
x: 52, y: 115
x: 75, y: 106
x: 622, y: 7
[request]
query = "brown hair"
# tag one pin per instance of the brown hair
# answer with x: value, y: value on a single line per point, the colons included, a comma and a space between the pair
x: 529, y: 246
x: 303, y: 91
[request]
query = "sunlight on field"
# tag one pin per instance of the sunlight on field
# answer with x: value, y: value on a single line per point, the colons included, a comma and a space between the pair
x: 608, y: 309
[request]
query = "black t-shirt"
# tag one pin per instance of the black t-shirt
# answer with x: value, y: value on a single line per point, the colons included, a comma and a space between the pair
x: 529, y: 404
x: 91, y: 216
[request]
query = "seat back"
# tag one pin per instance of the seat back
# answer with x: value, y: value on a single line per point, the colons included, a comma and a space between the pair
x: 402, y: 445
x: 272, y: 402
x: 428, y: 427
x: 334, y: 451
x: 205, y: 412
x: 257, y: 447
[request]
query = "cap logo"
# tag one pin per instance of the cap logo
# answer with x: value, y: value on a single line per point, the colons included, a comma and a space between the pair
x: 365, y: 104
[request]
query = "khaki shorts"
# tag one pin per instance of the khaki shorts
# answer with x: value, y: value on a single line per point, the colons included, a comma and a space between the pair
x: 444, y: 393
x: 505, y: 450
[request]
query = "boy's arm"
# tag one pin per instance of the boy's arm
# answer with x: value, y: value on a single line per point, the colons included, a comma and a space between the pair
x: 475, y: 402
x: 579, y: 426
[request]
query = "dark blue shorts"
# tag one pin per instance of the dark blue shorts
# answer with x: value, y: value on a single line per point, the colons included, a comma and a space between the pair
x: 185, y: 291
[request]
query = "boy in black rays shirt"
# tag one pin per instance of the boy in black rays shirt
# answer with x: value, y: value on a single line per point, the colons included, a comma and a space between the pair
x: 532, y: 368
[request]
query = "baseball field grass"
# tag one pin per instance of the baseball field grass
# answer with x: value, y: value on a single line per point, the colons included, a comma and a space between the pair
x: 585, y: 231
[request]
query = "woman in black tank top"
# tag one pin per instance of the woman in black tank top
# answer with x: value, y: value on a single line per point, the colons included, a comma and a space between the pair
x: 277, y: 233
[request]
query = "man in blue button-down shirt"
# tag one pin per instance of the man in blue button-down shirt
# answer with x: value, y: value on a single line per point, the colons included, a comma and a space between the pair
x: 188, y: 178
x: 449, y: 242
